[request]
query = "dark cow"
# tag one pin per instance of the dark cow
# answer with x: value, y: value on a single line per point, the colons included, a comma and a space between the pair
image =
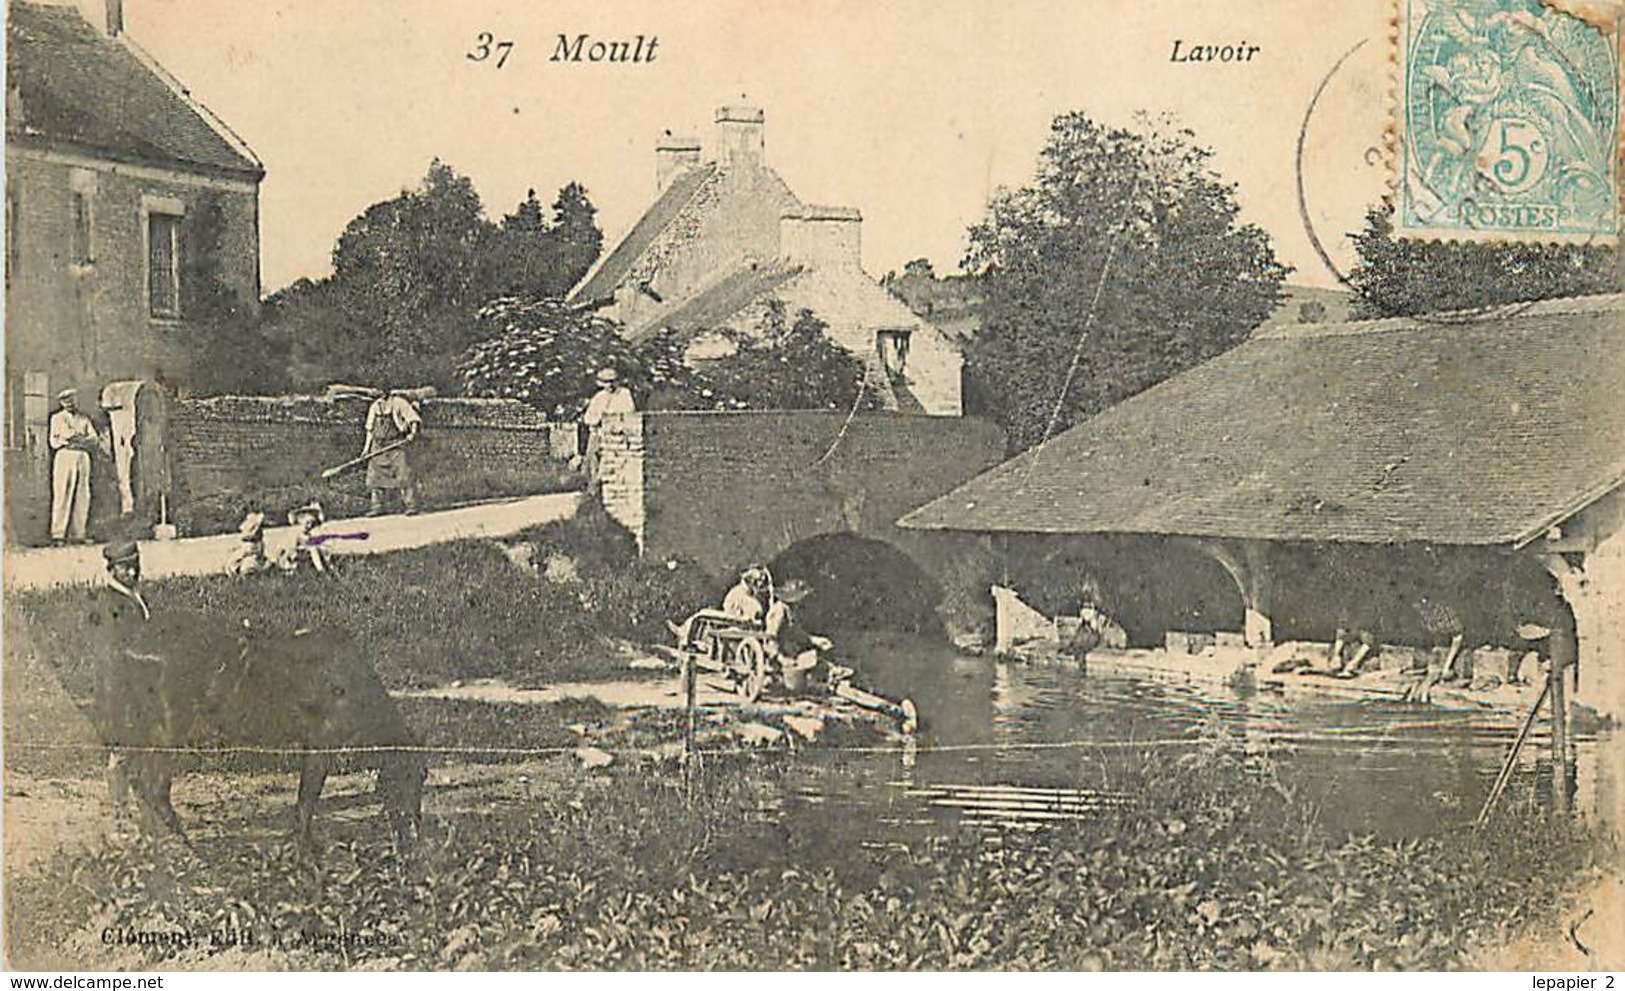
x: 305, y: 701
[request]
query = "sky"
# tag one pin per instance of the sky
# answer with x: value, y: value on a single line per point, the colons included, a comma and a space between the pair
x: 912, y: 111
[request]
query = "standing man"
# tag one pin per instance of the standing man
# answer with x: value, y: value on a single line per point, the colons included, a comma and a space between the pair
x: 129, y: 700
x: 392, y: 423
x: 611, y: 397
x: 72, y: 439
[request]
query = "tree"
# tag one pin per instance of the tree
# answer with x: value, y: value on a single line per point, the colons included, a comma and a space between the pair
x: 576, y: 237
x: 1405, y: 277
x: 1122, y: 264
x: 410, y: 275
x: 530, y: 255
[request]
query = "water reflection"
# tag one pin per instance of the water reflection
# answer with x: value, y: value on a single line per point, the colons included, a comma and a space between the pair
x: 1025, y: 743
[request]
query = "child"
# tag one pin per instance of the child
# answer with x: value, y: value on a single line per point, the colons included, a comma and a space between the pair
x: 305, y: 549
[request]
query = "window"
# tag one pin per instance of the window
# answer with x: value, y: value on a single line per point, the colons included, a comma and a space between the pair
x: 80, y: 249
x: 163, y: 265
x: 893, y: 347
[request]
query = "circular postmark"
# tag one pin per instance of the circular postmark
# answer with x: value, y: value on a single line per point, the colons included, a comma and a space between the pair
x: 1512, y: 153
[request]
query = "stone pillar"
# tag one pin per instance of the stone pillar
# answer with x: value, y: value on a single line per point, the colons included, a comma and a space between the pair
x: 620, y: 471
x: 1247, y: 563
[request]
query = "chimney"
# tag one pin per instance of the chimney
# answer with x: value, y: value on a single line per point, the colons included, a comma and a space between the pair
x: 674, y: 155
x: 739, y: 136
x: 106, y: 16
x: 822, y: 237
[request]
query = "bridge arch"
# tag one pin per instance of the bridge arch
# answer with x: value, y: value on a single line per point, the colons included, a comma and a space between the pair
x: 861, y: 583
x: 725, y: 490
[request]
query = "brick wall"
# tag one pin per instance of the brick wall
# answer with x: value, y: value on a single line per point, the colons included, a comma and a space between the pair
x: 728, y: 488
x: 234, y: 444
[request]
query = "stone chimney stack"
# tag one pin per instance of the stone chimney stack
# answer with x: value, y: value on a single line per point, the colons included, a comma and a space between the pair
x: 673, y: 156
x: 739, y: 136
x: 822, y: 237
x: 106, y: 16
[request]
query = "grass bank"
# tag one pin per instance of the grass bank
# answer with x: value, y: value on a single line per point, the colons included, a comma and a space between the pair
x: 424, y: 617
x: 1215, y: 867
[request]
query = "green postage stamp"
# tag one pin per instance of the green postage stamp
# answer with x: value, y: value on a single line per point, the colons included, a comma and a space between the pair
x: 1508, y: 122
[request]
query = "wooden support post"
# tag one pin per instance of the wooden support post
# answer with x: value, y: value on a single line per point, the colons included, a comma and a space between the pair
x: 1562, y: 773
x: 690, y: 713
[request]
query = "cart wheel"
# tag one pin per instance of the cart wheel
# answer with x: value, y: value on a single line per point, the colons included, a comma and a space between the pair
x: 750, y: 661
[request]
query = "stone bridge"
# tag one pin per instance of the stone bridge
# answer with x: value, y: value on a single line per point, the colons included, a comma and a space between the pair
x: 727, y: 489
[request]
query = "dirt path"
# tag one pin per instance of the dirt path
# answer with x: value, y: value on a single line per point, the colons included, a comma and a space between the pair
x: 46, y: 567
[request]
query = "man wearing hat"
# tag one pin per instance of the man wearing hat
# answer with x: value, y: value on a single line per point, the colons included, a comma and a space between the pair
x: 72, y: 437
x: 119, y: 627
x: 612, y: 397
x: 796, y: 650
x: 392, y: 423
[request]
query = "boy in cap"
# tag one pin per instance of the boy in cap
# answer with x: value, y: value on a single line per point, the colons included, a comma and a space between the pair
x: 305, y: 520
x: 72, y: 438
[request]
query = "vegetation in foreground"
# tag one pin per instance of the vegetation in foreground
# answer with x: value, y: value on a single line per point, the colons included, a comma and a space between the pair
x: 562, y: 614
x: 1217, y: 866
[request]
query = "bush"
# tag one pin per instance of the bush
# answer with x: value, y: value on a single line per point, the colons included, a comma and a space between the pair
x: 545, y: 353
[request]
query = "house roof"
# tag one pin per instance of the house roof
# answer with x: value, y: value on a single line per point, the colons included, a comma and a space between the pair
x: 603, y: 280
x: 721, y: 301
x: 1471, y: 429
x: 78, y: 86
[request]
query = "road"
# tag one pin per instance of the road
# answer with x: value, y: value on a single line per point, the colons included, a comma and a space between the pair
x: 46, y: 567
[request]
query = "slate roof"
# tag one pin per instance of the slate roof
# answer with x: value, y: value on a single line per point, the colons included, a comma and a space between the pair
x: 78, y: 86
x: 718, y: 303
x: 603, y: 280
x: 1469, y: 430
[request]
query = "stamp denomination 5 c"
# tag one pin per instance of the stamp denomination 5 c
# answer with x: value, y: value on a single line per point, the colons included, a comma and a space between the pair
x: 1508, y: 122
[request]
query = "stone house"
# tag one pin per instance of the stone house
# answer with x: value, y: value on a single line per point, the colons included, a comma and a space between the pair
x: 725, y: 238
x: 132, y: 220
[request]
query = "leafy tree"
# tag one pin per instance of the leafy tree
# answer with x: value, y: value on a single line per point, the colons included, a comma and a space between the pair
x: 1122, y: 264
x: 1405, y: 277
x: 410, y: 275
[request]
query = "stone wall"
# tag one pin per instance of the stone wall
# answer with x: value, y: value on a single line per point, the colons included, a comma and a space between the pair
x: 724, y: 489
x: 233, y: 447
x: 619, y: 476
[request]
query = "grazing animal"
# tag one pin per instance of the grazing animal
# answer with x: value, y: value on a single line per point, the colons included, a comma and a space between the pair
x: 305, y: 701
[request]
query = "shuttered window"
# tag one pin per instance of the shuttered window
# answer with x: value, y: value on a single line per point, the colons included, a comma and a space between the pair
x: 163, y: 265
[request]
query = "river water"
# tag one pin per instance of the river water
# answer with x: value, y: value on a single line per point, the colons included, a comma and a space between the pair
x: 1011, y: 743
